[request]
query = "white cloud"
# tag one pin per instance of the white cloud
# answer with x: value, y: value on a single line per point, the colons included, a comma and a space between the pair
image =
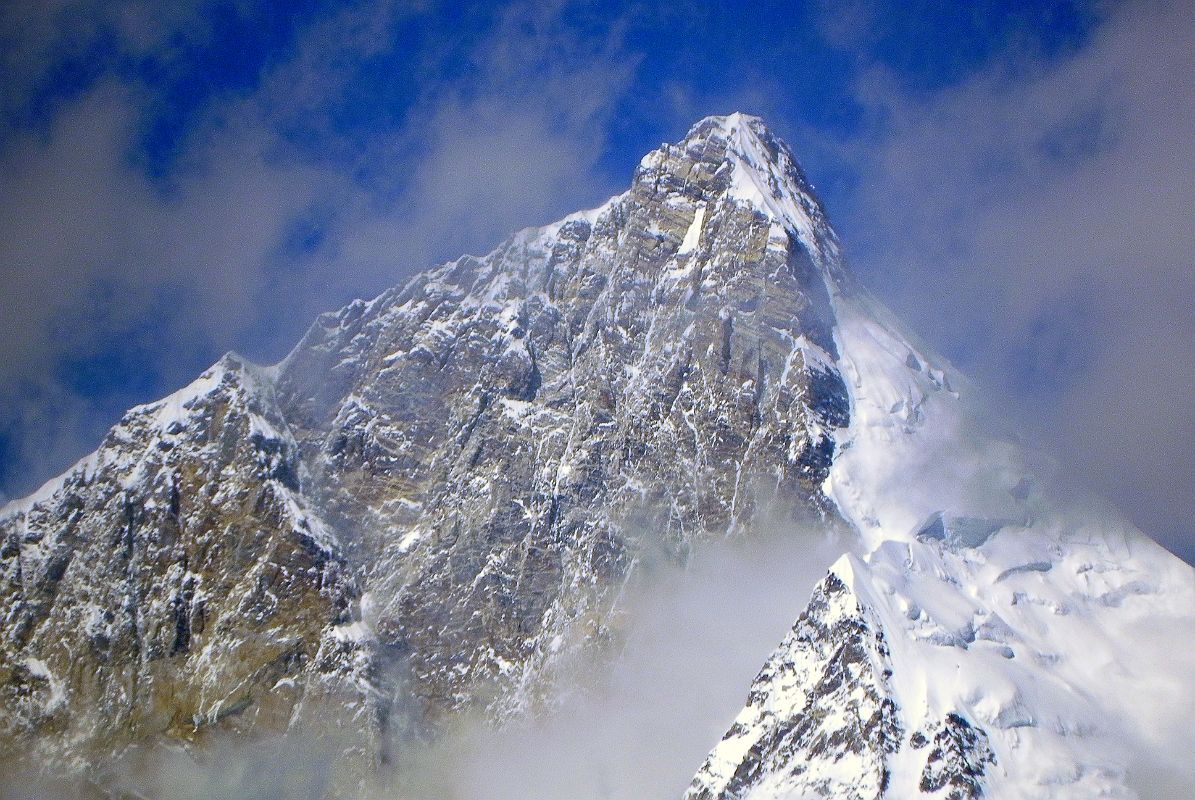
x: 1034, y: 220
x: 96, y: 252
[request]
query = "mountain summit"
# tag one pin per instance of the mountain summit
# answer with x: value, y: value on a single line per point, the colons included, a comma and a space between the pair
x: 430, y: 507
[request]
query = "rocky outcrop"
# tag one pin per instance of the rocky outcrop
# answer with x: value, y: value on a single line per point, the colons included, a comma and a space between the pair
x: 173, y: 582
x: 820, y: 720
x: 956, y: 765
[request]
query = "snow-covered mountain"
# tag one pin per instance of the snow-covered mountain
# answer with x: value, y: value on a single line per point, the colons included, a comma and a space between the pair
x: 983, y: 638
x: 432, y: 506
x: 435, y: 500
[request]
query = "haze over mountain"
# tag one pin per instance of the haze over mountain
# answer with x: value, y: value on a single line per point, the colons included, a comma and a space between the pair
x: 436, y: 508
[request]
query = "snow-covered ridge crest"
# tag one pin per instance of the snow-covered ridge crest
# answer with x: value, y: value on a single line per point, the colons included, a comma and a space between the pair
x: 160, y: 416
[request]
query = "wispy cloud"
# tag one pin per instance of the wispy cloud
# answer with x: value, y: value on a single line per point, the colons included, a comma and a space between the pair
x: 103, y: 265
x: 252, y: 230
x: 1034, y: 221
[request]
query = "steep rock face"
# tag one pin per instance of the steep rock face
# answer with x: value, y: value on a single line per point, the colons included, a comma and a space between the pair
x: 172, y: 581
x: 958, y: 762
x: 502, y: 434
x: 434, y: 500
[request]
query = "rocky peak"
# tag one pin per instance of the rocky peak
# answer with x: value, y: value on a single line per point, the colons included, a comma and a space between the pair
x: 737, y: 159
x: 451, y: 481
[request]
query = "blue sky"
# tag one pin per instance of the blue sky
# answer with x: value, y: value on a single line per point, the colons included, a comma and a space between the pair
x: 1012, y: 177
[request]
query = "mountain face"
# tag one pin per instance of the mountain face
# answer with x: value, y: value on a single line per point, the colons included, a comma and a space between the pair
x: 435, y: 498
x: 987, y: 635
x: 500, y: 439
x: 176, y: 579
x: 432, y: 505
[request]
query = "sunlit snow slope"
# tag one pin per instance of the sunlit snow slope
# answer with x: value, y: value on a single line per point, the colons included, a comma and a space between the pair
x: 986, y: 639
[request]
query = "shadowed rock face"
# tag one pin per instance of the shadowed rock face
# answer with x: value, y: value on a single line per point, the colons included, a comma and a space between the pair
x: 434, y: 498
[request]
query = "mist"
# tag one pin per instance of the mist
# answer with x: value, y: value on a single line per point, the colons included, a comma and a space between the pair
x: 637, y: 725
x: 695, y: 639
